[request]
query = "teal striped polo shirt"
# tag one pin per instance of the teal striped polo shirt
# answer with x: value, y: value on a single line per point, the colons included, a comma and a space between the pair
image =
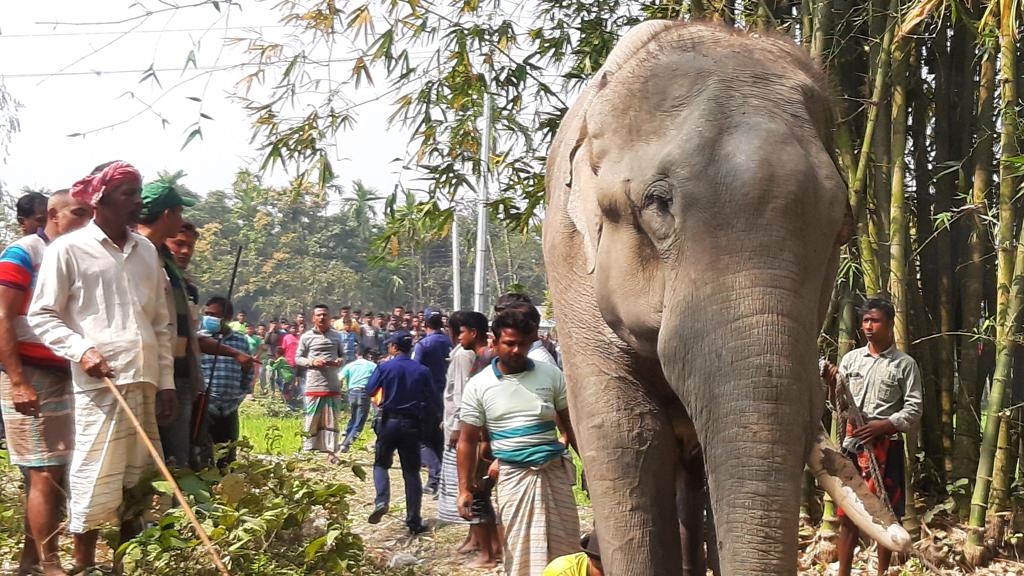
x: 518, y: 411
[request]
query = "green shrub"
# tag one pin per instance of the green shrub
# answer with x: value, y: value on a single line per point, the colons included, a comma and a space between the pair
x: 263, y: 516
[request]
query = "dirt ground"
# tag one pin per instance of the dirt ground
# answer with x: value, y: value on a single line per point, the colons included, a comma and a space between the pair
x: 434, y: 552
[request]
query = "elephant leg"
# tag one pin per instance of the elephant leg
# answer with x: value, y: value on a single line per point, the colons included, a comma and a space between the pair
x: 628, y: 448
x: 690, y: 502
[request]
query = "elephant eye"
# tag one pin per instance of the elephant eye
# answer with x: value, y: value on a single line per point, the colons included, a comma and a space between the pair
x: 659, y: 196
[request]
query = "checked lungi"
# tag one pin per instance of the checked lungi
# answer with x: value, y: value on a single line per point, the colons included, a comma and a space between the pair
x: 321, y: 425
x: 888, y: 453
x: 49, y: 439
x: 537, y: 507
x: 109, y: 454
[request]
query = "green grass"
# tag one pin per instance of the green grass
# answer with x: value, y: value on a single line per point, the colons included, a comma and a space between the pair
x: 271, y: 426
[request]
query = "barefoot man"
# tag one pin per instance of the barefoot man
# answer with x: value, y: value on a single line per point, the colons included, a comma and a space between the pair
x: 35, y: 388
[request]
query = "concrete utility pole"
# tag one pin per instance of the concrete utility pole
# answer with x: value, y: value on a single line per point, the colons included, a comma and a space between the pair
x: 480, y: 271
x: 456, y: 271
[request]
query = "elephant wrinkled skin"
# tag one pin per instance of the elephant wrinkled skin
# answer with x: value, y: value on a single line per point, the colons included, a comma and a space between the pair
x: 692, y: 232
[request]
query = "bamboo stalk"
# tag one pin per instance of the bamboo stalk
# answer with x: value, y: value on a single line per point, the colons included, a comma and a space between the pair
x: 1010, y: 282
x: 898, y: 232
x: 968, y: 399
x: 869, y: 261
x: 159, y: 459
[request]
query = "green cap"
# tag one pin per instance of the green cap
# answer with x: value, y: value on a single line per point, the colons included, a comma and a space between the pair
x: 161, y: 195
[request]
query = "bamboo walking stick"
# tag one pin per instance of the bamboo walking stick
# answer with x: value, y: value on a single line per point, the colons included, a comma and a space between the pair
x: 158, y: 458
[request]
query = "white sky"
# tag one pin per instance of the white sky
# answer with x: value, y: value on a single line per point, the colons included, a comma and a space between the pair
x: 77, y: 100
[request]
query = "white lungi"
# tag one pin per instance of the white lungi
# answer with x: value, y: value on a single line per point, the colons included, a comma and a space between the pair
x: 109, y: 454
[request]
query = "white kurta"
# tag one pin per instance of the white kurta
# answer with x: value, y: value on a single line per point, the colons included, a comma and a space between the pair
x: 92, y: 294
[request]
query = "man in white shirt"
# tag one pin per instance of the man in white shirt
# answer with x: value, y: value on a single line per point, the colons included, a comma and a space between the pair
x: 521, y: 405
x: 99, y: 302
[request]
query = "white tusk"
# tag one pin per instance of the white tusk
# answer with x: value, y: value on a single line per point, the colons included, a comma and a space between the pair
x: 837, y: 475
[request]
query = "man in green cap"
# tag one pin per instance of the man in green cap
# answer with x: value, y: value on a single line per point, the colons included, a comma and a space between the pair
x: 161, y: 218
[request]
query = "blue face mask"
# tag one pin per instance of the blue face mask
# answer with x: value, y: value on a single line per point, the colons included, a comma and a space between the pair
x: 210, y: 324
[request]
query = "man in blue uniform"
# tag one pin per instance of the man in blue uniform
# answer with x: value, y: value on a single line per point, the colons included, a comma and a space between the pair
x: 405, y: 386
x: 432, y: 352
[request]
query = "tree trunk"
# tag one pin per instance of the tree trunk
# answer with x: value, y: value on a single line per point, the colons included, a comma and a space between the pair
x: 898, y: 232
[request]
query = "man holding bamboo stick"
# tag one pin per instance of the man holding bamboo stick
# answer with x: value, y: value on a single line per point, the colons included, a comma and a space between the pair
x: 99, y: 302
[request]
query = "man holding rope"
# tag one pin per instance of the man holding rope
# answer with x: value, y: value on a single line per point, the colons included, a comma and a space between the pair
x: 35, y: 388
x: 99, y: 302
x: 886, y: 385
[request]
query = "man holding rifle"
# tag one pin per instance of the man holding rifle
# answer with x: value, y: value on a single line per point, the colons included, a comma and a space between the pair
x: 99, y: 301
x: 161, y: 221
x: 885, y: 386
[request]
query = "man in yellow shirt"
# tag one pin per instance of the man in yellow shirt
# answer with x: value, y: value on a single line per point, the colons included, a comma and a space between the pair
x: 586, y: 563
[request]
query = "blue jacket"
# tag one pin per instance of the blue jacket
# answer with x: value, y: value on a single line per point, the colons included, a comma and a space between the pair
x: 406, y: 386
x: 433, y: 352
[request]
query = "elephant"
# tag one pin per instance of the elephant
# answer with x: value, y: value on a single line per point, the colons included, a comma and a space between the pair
x: 691, y: 237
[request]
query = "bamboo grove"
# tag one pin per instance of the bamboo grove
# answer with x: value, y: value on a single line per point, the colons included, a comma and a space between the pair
x: 928, y: 138
x: 927, y: 134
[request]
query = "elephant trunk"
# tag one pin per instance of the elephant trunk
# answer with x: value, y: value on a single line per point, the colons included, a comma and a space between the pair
x: 744, y: 363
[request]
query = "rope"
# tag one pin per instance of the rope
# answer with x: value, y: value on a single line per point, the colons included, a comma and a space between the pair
x: 856, y: 417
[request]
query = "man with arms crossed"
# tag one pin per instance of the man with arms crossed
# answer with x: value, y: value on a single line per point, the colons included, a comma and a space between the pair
x: 521, y: 404
x: 35, y: 388
x: 99, y: 301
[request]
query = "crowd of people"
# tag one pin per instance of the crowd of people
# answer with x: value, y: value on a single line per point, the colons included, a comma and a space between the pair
x: 97, y: 306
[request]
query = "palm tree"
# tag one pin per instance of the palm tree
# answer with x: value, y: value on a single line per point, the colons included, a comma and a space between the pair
x: 361, y: 209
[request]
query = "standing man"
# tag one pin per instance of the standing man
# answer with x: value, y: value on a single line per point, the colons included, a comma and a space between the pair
x: 356, y: 375
x: 272, y: 342
x: 229, y: 380
x: 259, y: 338
x: 162, y: 224
x: 239, y: 324
x: 886, y: 384
x: 405, y: 386
x: 160, y: 220
x: 521, y: 404
x: 432, y: 351
x: 100, y: 302
x: 320, y: 352
x: 469, y: 356
x: 369, y: 335
x: 35, y: 388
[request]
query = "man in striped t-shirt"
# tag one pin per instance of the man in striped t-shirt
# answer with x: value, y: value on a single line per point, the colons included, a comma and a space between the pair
x: 35, y: 387
x: 521, y: 405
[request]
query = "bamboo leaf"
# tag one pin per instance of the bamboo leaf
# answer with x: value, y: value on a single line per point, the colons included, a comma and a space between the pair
x: 190, y: 59
x: 196, y: 133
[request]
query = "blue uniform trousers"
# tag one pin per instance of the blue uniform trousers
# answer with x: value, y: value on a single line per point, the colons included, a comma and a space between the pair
x: 401, y: 433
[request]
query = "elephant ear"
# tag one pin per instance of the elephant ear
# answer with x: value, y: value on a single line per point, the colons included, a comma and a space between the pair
x: 583, y: 207
x: 582, y: 165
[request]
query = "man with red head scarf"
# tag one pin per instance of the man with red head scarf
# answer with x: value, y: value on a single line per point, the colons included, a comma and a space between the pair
x: 99, y: 302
